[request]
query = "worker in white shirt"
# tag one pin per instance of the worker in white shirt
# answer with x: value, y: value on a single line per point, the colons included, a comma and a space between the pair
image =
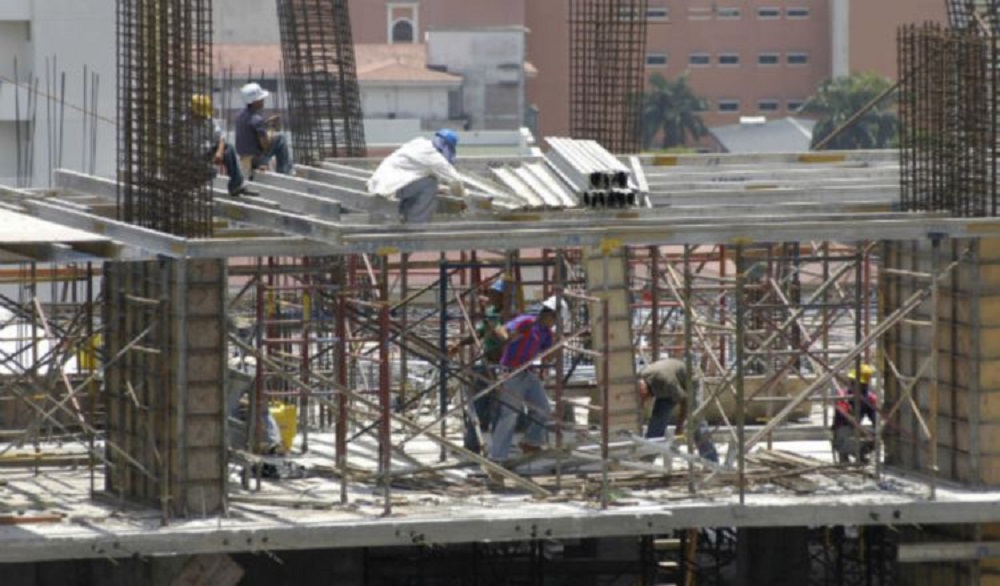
x: 412, y: 173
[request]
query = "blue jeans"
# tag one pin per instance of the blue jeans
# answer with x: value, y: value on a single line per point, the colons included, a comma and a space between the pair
x: 278, y: 150
x: 232, y: 164
x: 657, y: 427
x: 485, y: 408
x: 418, y: 200
x: 524, y: 389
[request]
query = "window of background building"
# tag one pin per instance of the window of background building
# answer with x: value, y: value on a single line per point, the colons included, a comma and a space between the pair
x: 402, y: 21
x: 402, y: 31
x: 768, y: 59
x: 729, y: 105
x: 656, y: 59
x: 768, y: 13
x: 798, y: 58
x: 728, y: 13
x: 797, y: 12
x: 657, y: 13
x: 794, y: 105
x: 729, y: 59
x: 768, y: 105
x: 699, y: 59
x: 699, y: 13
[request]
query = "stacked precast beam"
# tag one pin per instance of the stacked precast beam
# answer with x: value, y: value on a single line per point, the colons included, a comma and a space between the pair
x: 597, y: 178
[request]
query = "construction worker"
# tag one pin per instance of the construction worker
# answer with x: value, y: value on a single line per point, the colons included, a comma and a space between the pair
x: 852, y: 407
x: 486, y: 407
x: 526, y: 337
x: 218, y: 150
x: 255, y: 135
x: 667, y: 382
x: 412, y: 172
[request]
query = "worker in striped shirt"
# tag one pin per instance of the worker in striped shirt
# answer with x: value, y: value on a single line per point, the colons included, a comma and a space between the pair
x: 526, y: 337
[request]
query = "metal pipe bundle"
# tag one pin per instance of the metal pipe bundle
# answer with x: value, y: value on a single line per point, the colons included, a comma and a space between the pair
x: 595, y: 175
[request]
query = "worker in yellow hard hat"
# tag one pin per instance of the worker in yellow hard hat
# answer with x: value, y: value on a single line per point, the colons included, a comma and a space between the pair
x: 852, y: 407
x: 218, y: 150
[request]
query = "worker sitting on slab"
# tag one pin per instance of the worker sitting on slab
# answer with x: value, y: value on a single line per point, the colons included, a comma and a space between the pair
x: 850, y: 439
x: 526, y: 337
x: 485, y: 408
x: 412, y: 173
x: 256, y: 135
x: 218, y: 151
x: 668, y: 382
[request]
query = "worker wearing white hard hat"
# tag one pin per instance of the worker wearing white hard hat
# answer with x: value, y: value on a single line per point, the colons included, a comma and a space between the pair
x: 255, y: 135
x: 411, y: 174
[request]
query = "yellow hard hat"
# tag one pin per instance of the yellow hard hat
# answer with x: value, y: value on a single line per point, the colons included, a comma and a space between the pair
x: 202, y: 105
x: 866, y: 374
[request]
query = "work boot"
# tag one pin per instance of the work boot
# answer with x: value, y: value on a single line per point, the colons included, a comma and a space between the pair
x: 244, y: 191
x: 529, y: 449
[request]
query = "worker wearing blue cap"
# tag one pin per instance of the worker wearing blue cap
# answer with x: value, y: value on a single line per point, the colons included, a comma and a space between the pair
x: 411, y: 174
x: 486, y: 407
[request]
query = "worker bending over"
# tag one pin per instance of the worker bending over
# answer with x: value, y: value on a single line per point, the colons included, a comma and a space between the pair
x: 218, y: 151
x: 412, y: 172
x: 667, y: 381
x: 852, y: 407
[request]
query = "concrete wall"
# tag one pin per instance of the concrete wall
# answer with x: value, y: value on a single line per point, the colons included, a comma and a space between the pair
x: 403, y: 101
x: 873, y: 30
x: 491, y: 63
x: 370, y: 18
x: 245, y: 21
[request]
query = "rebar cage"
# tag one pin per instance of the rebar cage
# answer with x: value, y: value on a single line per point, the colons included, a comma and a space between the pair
x: 164, y: 160
x: 948, y: 120
x: 607, y: 58
x: 320, y: 73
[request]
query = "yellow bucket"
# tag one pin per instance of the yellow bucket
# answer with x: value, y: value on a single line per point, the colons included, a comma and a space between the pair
x: 287, y: 417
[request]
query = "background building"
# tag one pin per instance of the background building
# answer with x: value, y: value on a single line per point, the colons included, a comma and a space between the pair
x: 63, y: 47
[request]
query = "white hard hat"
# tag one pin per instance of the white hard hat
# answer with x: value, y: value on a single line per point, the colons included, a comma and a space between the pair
x: 563, y: 307
x: 252, y: 92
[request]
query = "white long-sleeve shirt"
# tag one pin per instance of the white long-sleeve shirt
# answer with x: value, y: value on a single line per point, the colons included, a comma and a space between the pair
x: 414, y: 160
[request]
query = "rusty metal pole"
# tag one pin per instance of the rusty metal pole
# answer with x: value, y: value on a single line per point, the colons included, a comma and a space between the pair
x: 605, y: 398
x: 384, y: 394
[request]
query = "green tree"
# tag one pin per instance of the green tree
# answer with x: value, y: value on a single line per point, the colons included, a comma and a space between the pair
x: 670, y: 109
x: 837, y: 100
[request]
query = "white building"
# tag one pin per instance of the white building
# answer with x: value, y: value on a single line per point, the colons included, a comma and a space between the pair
x: 61, y: 37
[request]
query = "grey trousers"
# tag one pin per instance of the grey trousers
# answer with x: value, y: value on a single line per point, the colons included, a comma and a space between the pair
x: 418, y: 200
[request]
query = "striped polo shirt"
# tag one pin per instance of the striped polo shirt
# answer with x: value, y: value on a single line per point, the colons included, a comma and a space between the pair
x: 534, y: 338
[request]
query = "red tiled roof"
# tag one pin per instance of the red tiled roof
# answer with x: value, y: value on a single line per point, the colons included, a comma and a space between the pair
x: 404, y: 63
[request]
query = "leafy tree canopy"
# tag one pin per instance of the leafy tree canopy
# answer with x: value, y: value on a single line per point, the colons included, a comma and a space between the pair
x: 837, y: 100
x: 670, y: 110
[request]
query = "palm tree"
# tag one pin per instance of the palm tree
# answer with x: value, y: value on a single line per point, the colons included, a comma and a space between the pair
x: 837, y: 100
x: 671, y: 107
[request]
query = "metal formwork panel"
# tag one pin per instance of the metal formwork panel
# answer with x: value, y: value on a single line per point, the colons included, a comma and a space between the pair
x: 324, y: 99
x: 164, y: 162
x: 607, y: 56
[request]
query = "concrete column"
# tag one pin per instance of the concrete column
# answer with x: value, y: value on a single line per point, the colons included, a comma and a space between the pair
x: 840, y: 37
x: 164, y: 394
